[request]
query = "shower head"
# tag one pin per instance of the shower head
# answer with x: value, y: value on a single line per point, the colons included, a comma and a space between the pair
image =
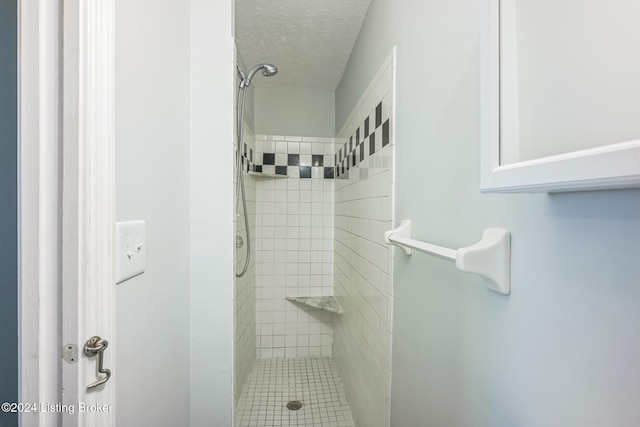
x: 268, y: 70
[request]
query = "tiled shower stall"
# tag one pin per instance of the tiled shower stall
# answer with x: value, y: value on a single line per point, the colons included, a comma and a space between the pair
x: 294, y: 244
x: 318, y: 208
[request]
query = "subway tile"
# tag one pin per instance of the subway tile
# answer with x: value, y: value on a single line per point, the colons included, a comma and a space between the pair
x: 280, y: 159
x: 317, y: 148
x: 317, y: 173
x: 278, y: 340
x: 306, y: 160
x: 294, y: 172
x: 328, y: 172
x: 269, y: 146
x: 293, y: 148
x: 281, y: 147
x: 305, y: 171
x: 305, y: 148
x: 268, y: 159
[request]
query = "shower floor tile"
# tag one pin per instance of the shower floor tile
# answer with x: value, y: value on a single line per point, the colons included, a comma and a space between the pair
x: 274, y: 382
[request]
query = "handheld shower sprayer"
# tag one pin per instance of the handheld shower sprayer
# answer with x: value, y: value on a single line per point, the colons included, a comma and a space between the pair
x: 268, y: 70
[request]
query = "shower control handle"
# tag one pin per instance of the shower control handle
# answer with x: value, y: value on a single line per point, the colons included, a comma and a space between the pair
x: 239, y: 242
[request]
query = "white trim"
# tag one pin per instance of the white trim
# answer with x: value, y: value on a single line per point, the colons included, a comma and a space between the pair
x: 39, y: 138
x: 607, y: 167
x: 88, y: 292
x: 87, y: 201
x: 510, y: 122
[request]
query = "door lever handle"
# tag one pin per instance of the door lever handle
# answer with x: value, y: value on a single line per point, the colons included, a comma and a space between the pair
x: 95, y: 346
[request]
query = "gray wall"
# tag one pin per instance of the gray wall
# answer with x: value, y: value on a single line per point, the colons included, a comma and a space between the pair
x: 294, y: 111
x: 212, y: 213
x: 174, y: 131
x: 564, y: 348
x: 152, y: 153
x: 8, y: 211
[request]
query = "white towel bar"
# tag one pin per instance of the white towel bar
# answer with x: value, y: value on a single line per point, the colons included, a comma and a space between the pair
x: 490, y: 257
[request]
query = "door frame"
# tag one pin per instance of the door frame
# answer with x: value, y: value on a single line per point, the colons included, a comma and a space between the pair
x: 67, y: 205
x: 39, y: 210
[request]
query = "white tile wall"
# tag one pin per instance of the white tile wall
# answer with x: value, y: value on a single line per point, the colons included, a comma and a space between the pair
x: 363, y: 269
x: 245, y: 287
x: 294, y: 253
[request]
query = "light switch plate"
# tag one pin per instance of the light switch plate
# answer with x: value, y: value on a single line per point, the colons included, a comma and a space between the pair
x: 130, y: 250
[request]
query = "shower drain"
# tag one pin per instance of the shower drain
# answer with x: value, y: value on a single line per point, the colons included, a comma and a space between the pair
x: 294, y: 405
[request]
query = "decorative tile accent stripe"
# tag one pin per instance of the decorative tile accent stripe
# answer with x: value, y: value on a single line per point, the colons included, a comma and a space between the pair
x: 247, y: 158
x: 293, y: 163
x: 350, y: 154
x: 295, y: 167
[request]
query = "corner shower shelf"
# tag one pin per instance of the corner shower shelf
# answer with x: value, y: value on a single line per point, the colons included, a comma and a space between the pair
x: 489, y: 258
x: 268, y: 175
x: 323, y: 303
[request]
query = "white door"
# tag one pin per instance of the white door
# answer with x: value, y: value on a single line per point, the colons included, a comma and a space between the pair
x: 67, y: 192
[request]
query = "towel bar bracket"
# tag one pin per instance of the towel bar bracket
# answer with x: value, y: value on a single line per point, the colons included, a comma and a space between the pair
x: 490, y: 257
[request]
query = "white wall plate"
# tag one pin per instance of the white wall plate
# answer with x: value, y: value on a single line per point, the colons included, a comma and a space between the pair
x: 130, y: 250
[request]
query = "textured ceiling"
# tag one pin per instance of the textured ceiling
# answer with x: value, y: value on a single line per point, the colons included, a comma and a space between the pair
x: 310, y: 41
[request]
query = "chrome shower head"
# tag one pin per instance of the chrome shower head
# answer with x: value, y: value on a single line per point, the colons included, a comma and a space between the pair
x: 268, y: 70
